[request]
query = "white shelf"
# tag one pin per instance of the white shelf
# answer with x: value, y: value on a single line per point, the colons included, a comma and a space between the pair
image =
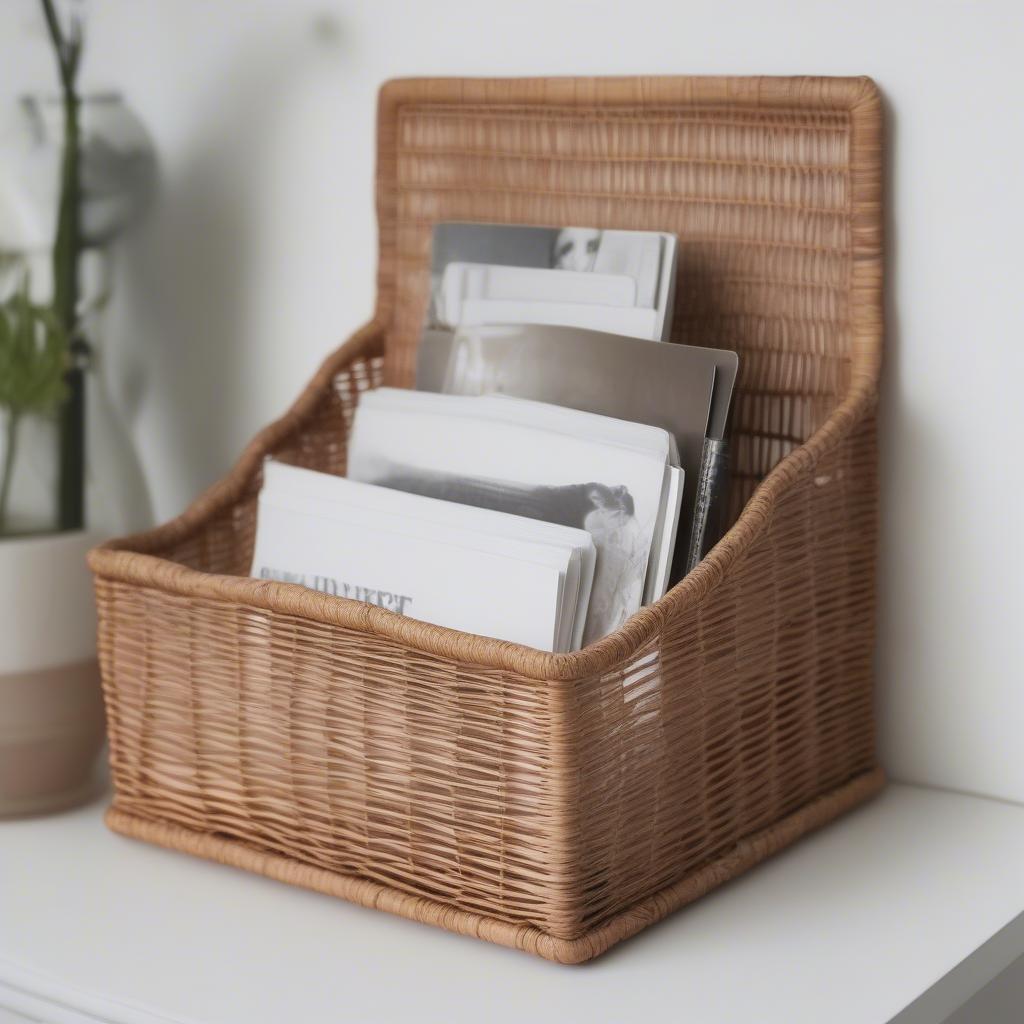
x: 852, y: 925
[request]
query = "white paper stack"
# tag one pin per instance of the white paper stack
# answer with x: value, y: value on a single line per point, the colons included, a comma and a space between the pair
x: 473, y: 569
x: 607, y: 280
x: 618, y: 481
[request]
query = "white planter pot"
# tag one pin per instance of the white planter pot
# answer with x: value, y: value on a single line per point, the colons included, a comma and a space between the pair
x: 51, y: 707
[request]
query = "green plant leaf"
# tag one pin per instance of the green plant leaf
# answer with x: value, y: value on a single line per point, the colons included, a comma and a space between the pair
x: 33, y: 356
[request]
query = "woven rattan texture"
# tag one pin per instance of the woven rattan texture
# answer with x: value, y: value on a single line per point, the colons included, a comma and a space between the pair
x: 552, y: 802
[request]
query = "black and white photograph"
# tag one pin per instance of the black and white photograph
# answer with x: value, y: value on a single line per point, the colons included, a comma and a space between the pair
x: 611, y: 280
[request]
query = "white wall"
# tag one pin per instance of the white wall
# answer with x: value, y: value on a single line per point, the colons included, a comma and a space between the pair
x: 259, y: 260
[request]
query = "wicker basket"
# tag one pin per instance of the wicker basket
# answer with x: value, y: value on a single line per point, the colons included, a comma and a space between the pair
x: 557, y: 803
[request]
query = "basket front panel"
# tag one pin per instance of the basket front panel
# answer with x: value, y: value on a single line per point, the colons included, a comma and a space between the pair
x: 341, y: 750
x: 553, y: 804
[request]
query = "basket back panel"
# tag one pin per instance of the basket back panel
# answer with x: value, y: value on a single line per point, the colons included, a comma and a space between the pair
x: 757, y: 192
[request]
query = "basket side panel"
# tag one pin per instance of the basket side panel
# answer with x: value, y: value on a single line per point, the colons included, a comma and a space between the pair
x: 222, y: 540
x: 755, y: 704
x: 342, y: 751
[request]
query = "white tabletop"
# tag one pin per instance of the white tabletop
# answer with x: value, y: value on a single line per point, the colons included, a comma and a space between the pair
x: 851, y: 925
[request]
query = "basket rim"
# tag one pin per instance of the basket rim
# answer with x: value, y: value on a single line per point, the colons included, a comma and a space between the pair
x: 133, y: 559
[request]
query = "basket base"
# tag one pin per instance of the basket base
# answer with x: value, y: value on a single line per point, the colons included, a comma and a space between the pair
x: 740, y: 858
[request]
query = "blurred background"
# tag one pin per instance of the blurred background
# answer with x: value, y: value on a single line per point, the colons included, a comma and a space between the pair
x: 256, y: 259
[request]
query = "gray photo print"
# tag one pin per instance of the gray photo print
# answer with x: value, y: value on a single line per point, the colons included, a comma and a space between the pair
x: 606, y: 512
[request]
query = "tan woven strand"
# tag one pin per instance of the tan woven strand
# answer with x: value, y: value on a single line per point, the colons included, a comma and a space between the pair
x: 556, y: 803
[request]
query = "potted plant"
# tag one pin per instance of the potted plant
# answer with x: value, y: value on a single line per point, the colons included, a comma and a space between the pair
x: 70, y: 186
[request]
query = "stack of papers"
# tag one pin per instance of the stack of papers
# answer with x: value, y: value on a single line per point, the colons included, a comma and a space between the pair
x: 532, y: 488
x: 473, y: 569
x: 608, y: 280
x: 562, y: 315
x: 620, y: 482
x: 683, y: 388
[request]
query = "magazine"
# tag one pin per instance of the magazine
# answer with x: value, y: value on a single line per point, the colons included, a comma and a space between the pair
x: 618, y: 481
x: 473, y: 569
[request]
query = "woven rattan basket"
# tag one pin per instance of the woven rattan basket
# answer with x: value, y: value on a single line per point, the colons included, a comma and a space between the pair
x: 553, y: 802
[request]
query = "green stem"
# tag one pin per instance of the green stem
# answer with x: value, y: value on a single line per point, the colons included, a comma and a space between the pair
x: 68, y: 243
x: 7, y: 473
x: 66, y: 251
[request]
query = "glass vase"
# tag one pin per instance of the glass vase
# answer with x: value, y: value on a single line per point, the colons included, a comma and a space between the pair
x: 117, y: 177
